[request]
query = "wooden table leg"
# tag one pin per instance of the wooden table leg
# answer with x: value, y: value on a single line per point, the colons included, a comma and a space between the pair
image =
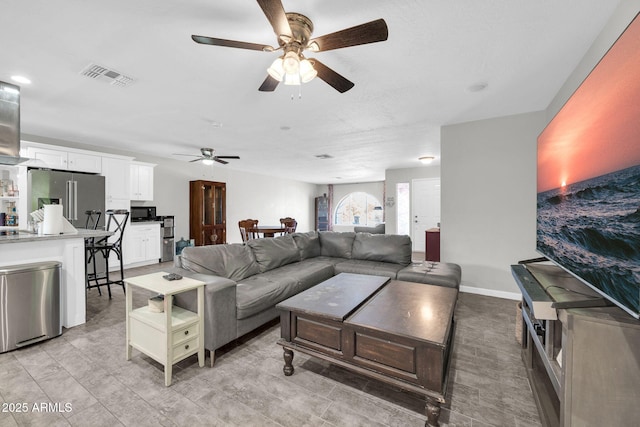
x: 288, y: 359
x: 432, y: 409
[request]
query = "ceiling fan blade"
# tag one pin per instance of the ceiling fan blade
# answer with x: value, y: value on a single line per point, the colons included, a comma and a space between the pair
x: 180, y: 154
x: 371, y: 32
x: 195, y: 160
x: 227, y: 157
x: 334, y: 79
x: 277, y: 17
x: 230, y: 43
x: 220, y: 161
x: 268, y: 85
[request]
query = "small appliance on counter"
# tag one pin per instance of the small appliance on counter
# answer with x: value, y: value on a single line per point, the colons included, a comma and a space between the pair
x: 143, y: 213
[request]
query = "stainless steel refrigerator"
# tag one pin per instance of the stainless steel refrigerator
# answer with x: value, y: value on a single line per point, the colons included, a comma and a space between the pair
x: 76, y: 192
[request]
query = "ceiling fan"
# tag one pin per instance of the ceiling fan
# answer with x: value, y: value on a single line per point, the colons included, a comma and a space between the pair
x: 207, y: 157
x: 293, y: 32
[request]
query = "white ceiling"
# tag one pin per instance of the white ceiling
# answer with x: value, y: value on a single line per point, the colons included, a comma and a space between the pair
x: 186, y: 96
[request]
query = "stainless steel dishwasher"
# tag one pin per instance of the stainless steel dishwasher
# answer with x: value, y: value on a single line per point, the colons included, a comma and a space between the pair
x: 29, y: 304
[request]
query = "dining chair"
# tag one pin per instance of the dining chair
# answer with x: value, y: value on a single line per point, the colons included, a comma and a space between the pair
x: 289, y: 225
x: 116, y: 222
x: 246, y: 225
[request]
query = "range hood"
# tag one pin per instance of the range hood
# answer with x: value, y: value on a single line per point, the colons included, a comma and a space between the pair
x: 10, y: 125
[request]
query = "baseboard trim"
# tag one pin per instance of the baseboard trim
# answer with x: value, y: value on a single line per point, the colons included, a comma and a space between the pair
x: 516, y: 296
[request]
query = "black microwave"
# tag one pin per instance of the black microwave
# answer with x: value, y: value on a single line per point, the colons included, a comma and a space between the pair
x: 143, y: 213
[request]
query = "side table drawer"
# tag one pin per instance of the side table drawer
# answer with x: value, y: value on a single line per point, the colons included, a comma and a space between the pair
x: 185, y: 334
x: 186, y: 348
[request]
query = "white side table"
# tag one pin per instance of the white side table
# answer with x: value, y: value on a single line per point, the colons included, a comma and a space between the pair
x: 167, y: 337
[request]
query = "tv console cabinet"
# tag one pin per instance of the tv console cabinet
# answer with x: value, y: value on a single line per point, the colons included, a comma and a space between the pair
x: 583, y: 366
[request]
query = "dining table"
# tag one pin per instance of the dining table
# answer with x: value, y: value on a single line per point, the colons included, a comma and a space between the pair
x: 267, y: 230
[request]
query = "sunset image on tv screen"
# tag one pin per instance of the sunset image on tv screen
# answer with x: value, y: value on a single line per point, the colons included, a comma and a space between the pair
x: 588, y: 218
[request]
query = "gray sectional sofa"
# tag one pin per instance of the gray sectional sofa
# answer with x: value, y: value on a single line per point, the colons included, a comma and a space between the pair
x: 244, y: 282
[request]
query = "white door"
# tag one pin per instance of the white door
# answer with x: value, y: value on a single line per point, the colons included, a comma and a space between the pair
x: 425, y: 209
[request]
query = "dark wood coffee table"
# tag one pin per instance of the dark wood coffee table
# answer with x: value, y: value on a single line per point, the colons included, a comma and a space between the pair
x: 400, y: 333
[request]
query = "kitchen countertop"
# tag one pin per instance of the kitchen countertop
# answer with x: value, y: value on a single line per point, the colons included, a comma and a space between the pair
x: 27, y: 236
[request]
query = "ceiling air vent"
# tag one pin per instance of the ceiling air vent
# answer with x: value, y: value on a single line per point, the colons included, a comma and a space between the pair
x: 98, y: 72
x: 324, y: 156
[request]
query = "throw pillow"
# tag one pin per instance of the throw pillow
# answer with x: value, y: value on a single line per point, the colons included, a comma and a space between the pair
x: 274, y: 252
x: 308, y: 244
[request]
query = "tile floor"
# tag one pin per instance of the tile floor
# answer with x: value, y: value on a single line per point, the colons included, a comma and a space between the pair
x: 82, y: 379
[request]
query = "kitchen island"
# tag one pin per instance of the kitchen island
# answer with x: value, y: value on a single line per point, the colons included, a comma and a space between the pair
x: 23, y: 247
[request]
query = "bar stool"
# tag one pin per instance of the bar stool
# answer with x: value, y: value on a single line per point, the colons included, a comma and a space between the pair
x: 116, y: 222
x: 91, y: 223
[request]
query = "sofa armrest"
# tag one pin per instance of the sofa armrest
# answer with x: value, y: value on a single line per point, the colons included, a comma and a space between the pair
x: 219, y: 307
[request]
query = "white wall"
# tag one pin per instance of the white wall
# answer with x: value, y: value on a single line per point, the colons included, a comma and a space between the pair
x: 621, y: 18
x: 395, y: 176
x: 489, y: 176
x: 248, y: 195
x: 489, y: 199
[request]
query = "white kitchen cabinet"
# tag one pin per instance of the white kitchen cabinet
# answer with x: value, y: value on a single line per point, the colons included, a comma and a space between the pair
x: 117, y: 182
x: 142, y: 244
x: 141, y: 180
x: 81, y: 162
x: 75, y: 161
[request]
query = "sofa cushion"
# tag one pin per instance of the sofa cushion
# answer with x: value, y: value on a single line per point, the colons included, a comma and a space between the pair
x: 336, y: 244
x: 274, y: 252
x: 308, y: 244
x: 233, y: 261
x: 393, y: 248
x: 307, y: 273
x: 377, y: 229
x: 433, y: 273
x: 260, y: 292
x: 374, y: 268
x: 263, y: 291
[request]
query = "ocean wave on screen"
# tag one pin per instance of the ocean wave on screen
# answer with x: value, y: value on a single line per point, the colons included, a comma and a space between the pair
x: 592, y: 228
x: 604, y: 243
x: 633, y: 217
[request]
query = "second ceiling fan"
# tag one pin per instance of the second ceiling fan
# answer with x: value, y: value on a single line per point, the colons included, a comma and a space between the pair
x: 293, y: 32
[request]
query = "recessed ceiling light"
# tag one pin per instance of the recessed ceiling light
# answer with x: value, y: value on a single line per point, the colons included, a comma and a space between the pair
x: 285, y: 127
x: 21, y: 79
x: 324, y: 156
x: 426, y: 159
x: 478, y: 87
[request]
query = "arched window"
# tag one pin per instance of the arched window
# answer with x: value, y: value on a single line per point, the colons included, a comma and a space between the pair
x: 358, y: 208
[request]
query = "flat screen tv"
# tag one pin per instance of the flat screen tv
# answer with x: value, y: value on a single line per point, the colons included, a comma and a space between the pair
x: 588, y: 184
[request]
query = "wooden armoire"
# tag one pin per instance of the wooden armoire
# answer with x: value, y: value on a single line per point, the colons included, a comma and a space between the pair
x: 207, y: 212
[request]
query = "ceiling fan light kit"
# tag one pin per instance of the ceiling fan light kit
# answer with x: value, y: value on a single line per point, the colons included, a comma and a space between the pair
x: 207, y: 157
x: 291, y: 70
x: 293, y: 31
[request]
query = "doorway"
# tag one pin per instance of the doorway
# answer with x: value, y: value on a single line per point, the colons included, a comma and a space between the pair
x: 425, y: 209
